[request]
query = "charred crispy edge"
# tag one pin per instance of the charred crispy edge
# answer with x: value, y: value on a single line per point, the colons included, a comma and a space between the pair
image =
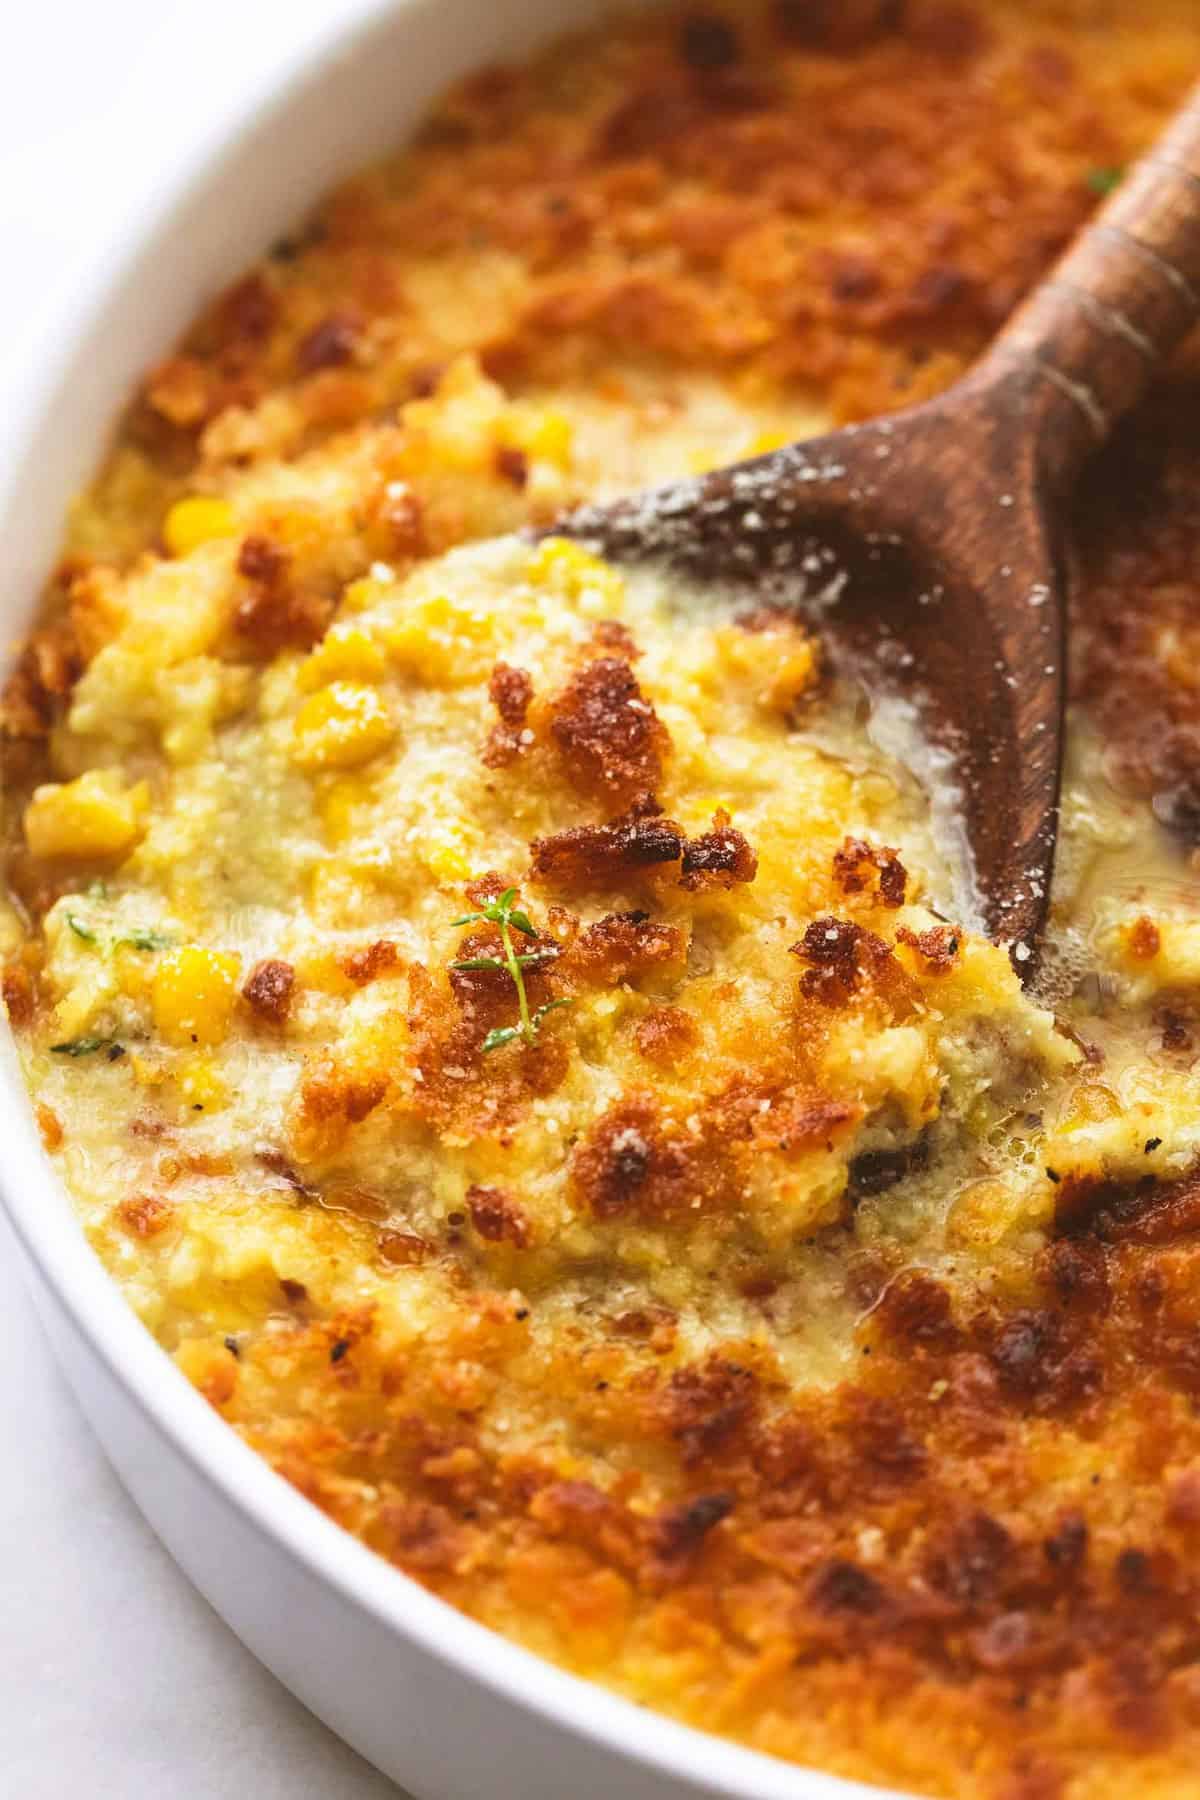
x: 1142, y: 1211
x: 599, y: 856
x: 331, y: 343
x: 588, y: 856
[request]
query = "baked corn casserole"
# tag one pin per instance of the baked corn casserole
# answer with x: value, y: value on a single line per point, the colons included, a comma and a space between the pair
x: 507, y: 1021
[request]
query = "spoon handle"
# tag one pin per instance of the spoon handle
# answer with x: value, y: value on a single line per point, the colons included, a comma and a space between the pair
x: 1113, y: 309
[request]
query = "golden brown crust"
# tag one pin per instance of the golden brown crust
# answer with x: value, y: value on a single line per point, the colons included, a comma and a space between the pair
x: 145, y: 1215
x: 843, y: 957
x: 16, y: 986
x: 274, y: 613
x: 510, y: 691
x: 666, y: 1034
x: 610, y: 740
x: 938, y: 946
x: 34, y: 693
x: 784, y: 213
x: 840, y: 1527
x: 457, y: 1085
x: 621, y: 947
x: 1137, y: 522
x: 599, y: 856
x: 720, y: 858
x: 862, y: 868
x: 372, y: 961
x: 497, y: 1217
x: 269, y: 989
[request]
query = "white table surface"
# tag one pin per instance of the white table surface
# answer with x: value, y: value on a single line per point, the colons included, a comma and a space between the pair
x: 116, y: 1679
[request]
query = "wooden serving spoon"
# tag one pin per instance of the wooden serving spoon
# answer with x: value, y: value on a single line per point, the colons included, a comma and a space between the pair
x: 940, y: 528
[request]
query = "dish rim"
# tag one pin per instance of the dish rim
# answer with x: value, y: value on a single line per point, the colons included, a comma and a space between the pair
x: 36, y: 1203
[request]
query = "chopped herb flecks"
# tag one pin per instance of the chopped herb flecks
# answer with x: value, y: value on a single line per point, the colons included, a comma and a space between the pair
x: 509, y: 918
x: 140, y: 937
x: 1103, y: 180
x: 144, y: 940
x: 87, y: 1046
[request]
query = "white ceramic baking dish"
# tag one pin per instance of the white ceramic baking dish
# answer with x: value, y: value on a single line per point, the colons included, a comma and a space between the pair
x: 447, y: 1708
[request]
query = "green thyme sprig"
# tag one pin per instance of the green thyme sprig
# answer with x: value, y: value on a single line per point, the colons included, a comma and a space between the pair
x: 504, y: 913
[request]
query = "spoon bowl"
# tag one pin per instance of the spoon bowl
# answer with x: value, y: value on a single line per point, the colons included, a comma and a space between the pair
x: 929, y: 544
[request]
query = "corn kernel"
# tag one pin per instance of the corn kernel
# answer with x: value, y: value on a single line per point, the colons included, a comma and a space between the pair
x: 338, y: 803
x: 341, y: 727
x: 793, y: 677
x: 338, y: 893
x: 701, y: 809
x: 446, y: 862
x: 96, y: 815
x: 358, y: 595
x: 782, y: 663
x: 201, y: 1087
x: 1091, y: 1104
x: 765, y: 441
x: 193, y: 994
x: 718, y: 456
x: 146, y: 1072
x: 984, y: 1213
x: 197, y: 520
x: 702, y: 462
x: 345, y: 653
x: 572, y: 570
x: 443, y: 643
x: 547, y: 435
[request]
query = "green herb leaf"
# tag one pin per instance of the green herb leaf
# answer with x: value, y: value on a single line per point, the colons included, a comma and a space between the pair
x: 83, y: 1046
x: 144, y: 940
x: 550, y: 1006
x: 502, y: 912
x: 80, y: 929
x: 1103, y: 180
